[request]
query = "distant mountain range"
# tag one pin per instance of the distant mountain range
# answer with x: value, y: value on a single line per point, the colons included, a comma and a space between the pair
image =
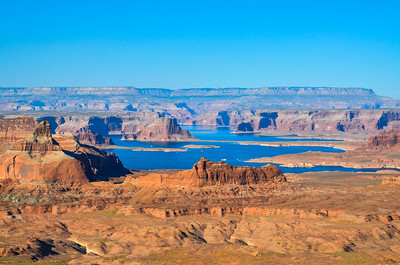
x: 194, y: 100
x: 161, y: 92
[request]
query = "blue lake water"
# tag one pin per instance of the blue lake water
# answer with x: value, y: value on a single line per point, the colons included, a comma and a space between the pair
x: 230, y: 152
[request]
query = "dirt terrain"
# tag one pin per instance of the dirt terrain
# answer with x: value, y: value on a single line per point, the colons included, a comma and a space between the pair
x: 332, y: 217
x: 212, y: 214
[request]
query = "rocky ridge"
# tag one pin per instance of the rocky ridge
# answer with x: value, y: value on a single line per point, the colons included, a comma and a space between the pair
x: 332, y: 121
x: 208, y: 173
x: 141, y: 126
x: 366, y: 122
x: 56, y: 159
x: 190, y: 101
x: 88, y: 137
x: 384, y: 140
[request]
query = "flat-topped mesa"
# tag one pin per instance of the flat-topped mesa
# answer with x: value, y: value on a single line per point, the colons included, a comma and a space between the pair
x: 384, y: 140
x: 40, y: 156
x: 159, y: 92
x: 208, y: 173
x: 164, y: 129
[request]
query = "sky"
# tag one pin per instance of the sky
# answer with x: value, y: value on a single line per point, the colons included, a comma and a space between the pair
x: 183, y: 44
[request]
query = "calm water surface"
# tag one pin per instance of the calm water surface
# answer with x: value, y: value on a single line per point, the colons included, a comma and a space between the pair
x: 230, y: 152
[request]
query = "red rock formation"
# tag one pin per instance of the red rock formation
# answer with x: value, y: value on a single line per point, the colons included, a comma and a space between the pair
x: 12, y: 130
x: 85, y: 136
x: 384, y: 140
x: 208, y: 173
x: 300, y: 121
x: 58, y: 159
x: 165, y: 129
x: 391, y: 181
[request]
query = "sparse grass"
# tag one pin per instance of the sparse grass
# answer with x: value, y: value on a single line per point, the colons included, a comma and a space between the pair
x: 37, y: 198
x: 25, y: 261
x: 106, y: 213
x: 106, y: 240
x: 353, y: 258
x: 216, y: 256
x: 117, y: 257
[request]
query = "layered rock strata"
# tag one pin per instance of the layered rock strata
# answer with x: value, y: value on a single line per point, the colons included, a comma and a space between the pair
x: 165, y: 129
x: 384, y: 140
x: 332, y: 121
x: 208, y: 173
x: 88, y: 137
x: 44, y: 157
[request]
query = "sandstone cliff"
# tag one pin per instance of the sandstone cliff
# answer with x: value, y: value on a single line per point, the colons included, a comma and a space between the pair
x: 141, y: 126
x: 280, y: 121
x: 88, y: 137
x: 57, y: 159
x: 336, y: 121
x: 197, y: 100
x: 208, y: 173
x: 165, y: 129
x: 12, y: 130
x: 384, y: 140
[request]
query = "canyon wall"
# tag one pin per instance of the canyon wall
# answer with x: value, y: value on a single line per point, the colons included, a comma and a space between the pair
x: 140, y: 126
x: 29, y: 152
x: 156, y: 126
x: 188, y: 101
x: 291, y: 121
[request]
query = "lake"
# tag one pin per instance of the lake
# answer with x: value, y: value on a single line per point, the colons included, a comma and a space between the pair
x: 229, y: 151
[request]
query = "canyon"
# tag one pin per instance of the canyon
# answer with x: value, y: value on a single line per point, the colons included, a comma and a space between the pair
x: 64, y: 200
x: 139, y: 114
x: 157, y: 126
x: 111, y: 223
x: 213, y: 212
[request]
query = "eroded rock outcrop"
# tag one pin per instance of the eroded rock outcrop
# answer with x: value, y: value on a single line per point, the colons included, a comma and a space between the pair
x: 208, y: 173
x: 88, y: 137
x: 165, y: 129
x: 327, y: 121
x: 12, y: 130
x: 391, y: 181
x: 35, y: 155
x: 384, y: 140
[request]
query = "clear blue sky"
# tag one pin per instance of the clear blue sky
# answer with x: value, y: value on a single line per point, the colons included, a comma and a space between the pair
x: 179, y: 44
